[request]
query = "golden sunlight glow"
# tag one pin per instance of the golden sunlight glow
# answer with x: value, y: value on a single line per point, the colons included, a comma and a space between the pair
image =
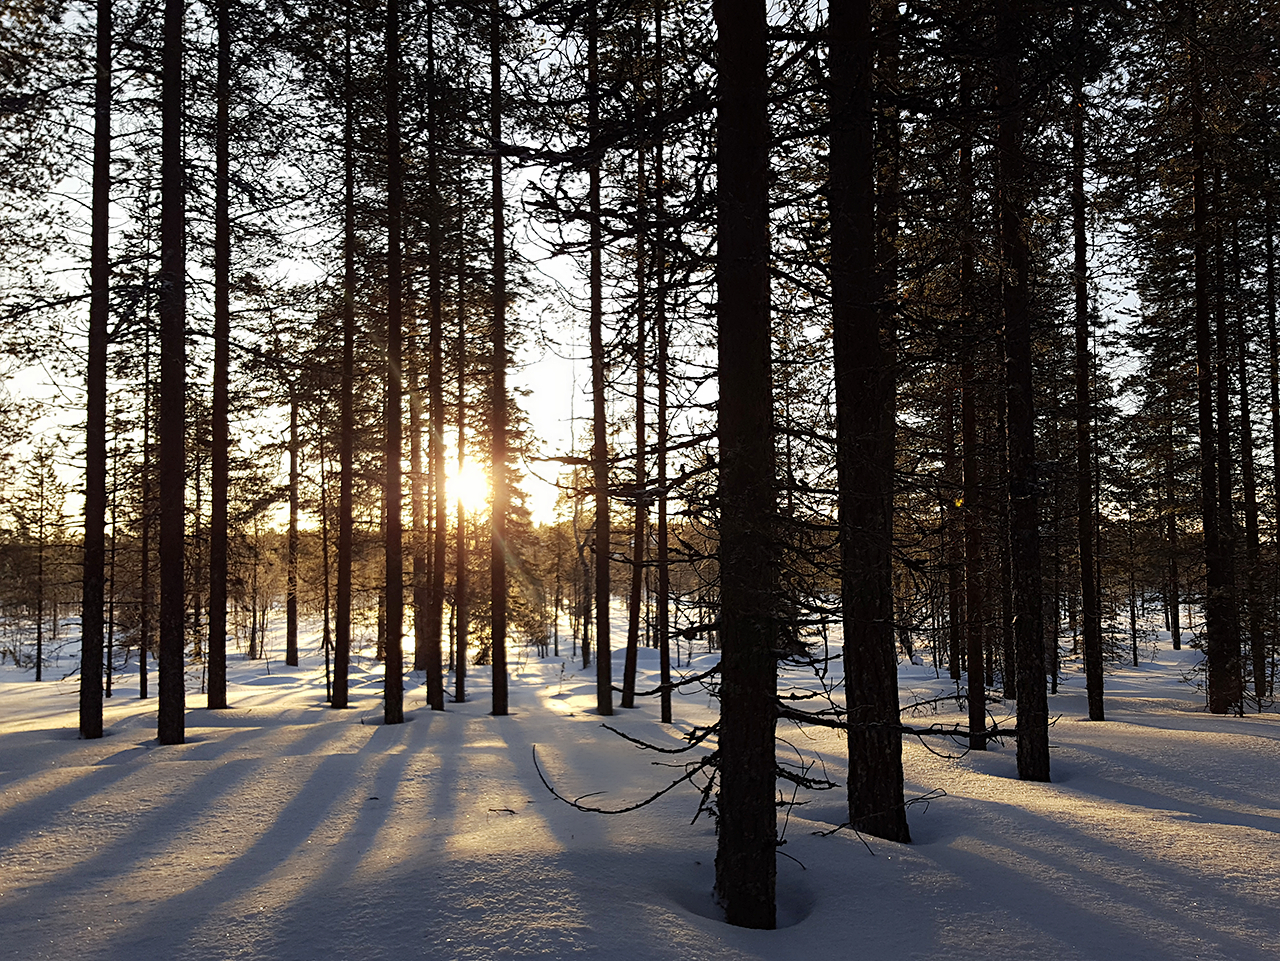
x: 470, y: 485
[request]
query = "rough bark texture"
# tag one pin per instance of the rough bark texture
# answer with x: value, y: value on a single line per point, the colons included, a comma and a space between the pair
x: 171, y: 720
x: 95, y: 488
x: 393, y: 693
x: 745, y: 858
x: 864, y: 405
x: 346, y: 427
x: 1093, y: 674
x: 975, y: 606
x: 1220, y: 618
x: 600, y: 427
x: 291, y: 566
x: 435, y: 599
x: 498, y: 399
x: 1024, y: 535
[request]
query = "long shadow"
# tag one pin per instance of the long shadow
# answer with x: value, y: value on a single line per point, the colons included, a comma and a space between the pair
x: 174, y: 920
x: 1136, y: 796
x: 114, y: 858
x: 1094, y: 932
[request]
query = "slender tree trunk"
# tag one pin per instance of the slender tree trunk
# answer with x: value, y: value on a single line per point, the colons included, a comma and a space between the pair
x: 346, y: 426
x: 291, y: 560
x: 660, y: 321
x: 326, y: 637
x: 745, y: 857
x: 421, y: 575
x: 1175, y: 627
x: 393, y: 698
x: 975, y: 605
x: 1024, y: 537
x: 461, y: 586
x: 1221, y: 618
x: 639, y: 530
x: 498, y: 400
x: 864, y: 405
x: 144, y: 545
x: 600, y: 428
x: 440, y: 531
x: 1273, y: 352
x: 171, y: 720
x: 952, y: 547
x: 1093, y: 674
x: 219, y: 480
x: 95, y: 493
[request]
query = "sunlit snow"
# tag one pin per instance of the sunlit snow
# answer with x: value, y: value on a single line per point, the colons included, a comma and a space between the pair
x: 286, y: 830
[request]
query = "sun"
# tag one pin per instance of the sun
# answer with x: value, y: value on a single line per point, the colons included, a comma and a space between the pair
x: 468, y: 485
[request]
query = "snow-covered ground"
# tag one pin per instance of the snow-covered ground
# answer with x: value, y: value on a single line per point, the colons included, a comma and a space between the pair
x: 286, y: 830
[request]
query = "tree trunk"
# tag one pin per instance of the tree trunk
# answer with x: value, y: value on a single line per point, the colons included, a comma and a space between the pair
x: 600, y: 427
x: 1221, y: 619
x: 346, y: 426
x: 393, y: 697
x: 440, y: 529
x: 171, y: 719
x: 975, y: 606
x: 1024, y: 536
x: 461, y: 586
x: 745, y: 857
x: 639, y: 530
x: 1093, y: 675
x: 498, y: 400
x: 291, y: 561
x: 95, y: 493
x: 660, y: 321
x: 864, y: 405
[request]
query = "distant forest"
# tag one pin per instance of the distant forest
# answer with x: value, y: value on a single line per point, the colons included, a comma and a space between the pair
x: 949, y: 325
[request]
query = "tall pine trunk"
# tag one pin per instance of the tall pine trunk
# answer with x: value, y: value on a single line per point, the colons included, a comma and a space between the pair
x: 291, y: 558
x: 745, y: 857
x: 1093, y: 675
x: 600, y: 427
x: 498, y: 397
x: 1221, y: 618
x: 219, y: 479
x: 864, y: 438
x: 660, y: 321
x: 171, y: 716
x: 95, y: 488
x: 435, y: 282
x: 346, y: 422
x: 1024, y: 536
x: 393, y: 695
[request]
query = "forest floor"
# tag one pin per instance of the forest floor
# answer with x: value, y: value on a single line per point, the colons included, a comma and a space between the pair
x: 285, y: 830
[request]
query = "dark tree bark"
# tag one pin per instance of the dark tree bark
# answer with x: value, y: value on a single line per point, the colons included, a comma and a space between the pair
x: 1252, y: 533
x: 346, y: 426
x: 660, y: 322
x: 171, y: 718
x: 600, y: 427
x: 1092, y: 618
x: 393, y: 695
x: 219, y: 480
x: 745, y: 858
x: 95, y: 488
x: 1024, y: 536
x: 291, y: 559
x: 440, y: 529
x: 975, y: 605
x: 498, y: 398
x: 640, y: 525
x: 1221, y: 618
x: 461, y: 585
x: 864, y: 419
